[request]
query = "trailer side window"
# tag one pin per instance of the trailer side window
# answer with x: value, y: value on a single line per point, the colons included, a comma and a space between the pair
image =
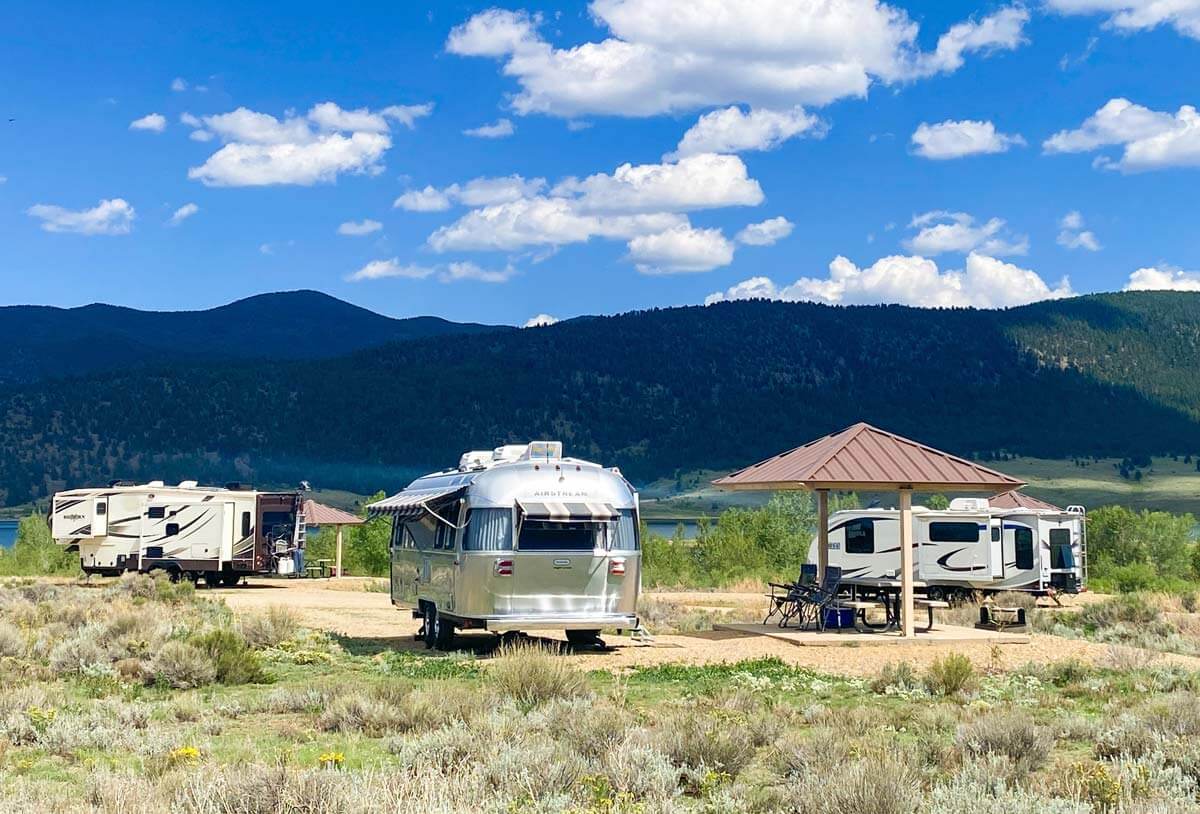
x: 1023, y: 545
x: 625, y: 531
x: 489, y: 530
x: 245, y: 524
x: 101, y: 508
x: 172, y: 529
x: 954, y: 532
x: 860, y: 536
x: 995, y: 534
x: 156, y: 512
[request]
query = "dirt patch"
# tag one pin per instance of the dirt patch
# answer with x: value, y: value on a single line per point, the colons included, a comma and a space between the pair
x: 368, y: 623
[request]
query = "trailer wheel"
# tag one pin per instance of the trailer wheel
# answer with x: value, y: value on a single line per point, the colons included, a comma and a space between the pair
x: 230, y: 579
x: 443, y: 632
x: 212, y: 579
x: 584, y: 638
x: 428, y: 627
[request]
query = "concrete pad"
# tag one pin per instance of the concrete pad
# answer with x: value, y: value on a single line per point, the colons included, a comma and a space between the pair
x: 941, y: 634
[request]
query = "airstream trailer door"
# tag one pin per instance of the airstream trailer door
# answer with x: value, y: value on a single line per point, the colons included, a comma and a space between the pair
x: 560, y: 567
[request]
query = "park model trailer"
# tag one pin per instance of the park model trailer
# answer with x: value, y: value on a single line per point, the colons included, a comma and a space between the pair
x: 192, y: 531
x: 516, y: 539
x: 971, y: 546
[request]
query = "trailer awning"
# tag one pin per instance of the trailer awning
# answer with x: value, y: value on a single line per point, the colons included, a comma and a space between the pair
x: 563, y: 512
x: 409, y: 505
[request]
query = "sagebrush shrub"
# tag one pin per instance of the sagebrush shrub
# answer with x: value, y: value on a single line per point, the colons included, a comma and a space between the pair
x: 12, y: 641
x: 1009, y: 733
x: 269, y: 629
x: 183, y: 666
x: 232, y: 660
x: 530, y: 674
x: 950, y: 675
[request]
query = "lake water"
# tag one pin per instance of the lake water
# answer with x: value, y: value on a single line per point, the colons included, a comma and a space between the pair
x: 666, y: 528
x: 8, y: 532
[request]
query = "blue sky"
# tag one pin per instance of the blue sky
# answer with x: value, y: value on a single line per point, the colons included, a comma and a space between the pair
x: 1056, y: 144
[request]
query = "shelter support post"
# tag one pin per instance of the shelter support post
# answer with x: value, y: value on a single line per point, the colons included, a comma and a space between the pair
x: 339, y: 552
x: 906, y: 563
x: 822, y: 533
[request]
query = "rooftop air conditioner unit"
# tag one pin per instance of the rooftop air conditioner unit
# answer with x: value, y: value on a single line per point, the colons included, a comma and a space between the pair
x: 188, y: 484
x: 474, y: 460
x: 969, y: 504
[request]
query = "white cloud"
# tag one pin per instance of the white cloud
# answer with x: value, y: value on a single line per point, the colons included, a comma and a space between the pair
x: 112, y: 216
x: 985, y: 282
x: 665, y: 56
x: 3, y: 179
x: 470, y: 271
x: 540, y: 321
x: 1138, y: 15
x: 1072, y: 235
x: 453, y: 272
x: 941, y: 232
x: 501, y: 129
x: 766, y: 233
x: 1151, y: 139
x: 262, y: 150
x: 423, y: 200
x: 200, y: 135
x: 680, y: 249
x: 183, y: 213
x: 955, y: 139
x: 190, y: 120
x: 358, y: 229
x: 154, y: 122
x: 542, y: 221
x: 704, y: 181
x: 731, y: 131
x: 179, y: 84
x: 380, y: 269
x: 1163, y: 278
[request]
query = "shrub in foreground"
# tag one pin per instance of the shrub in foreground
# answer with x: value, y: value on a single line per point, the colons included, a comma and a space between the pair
x: 530, y: 674
x: 183, y: 666
x: 950, y: 675
x: 232, y: 660
x: 1011, y: 734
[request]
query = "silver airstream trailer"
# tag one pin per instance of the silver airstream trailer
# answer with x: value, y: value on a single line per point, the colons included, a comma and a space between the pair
x: 516, y: 539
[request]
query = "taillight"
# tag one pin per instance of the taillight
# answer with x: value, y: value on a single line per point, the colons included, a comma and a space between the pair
x: 616, y: 568
x: 503, y: 568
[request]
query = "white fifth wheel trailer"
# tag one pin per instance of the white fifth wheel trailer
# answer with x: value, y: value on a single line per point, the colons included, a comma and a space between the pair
x: 971, y: 546
x: 514, y: 539
x: 192, y: 531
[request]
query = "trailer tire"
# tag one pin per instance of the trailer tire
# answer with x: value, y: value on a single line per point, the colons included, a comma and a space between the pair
x: 430, y: 613
x: 212, y: 579
x: 443, y: 632
x: 230, y: 579
x: 584, y: 638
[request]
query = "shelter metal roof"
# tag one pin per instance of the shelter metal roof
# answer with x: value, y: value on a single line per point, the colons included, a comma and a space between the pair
x: 866, y: 457
x: 1015, y: 499
x: 318, y: 514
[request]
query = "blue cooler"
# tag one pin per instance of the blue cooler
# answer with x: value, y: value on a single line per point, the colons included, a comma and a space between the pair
x: 839, y: 617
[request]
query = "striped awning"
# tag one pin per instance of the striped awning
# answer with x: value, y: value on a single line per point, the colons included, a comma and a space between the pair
x: 564, y: 512
x: 411, y: 504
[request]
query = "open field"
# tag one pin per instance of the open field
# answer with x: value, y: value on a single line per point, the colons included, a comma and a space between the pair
x: 1167, y: 485
x: 137, y: 697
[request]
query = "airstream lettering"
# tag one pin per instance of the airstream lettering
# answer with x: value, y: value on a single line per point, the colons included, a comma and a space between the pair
x: 516, y: 539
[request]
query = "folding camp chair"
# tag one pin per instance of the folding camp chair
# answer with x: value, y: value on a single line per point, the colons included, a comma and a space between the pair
x: 784, y: 597
x: 823, y: 597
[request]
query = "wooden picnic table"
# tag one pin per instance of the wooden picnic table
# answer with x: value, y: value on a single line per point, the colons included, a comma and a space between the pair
x: 888, y: 590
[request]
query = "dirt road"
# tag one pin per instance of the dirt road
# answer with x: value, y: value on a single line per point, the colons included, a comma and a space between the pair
x: 369, y: 623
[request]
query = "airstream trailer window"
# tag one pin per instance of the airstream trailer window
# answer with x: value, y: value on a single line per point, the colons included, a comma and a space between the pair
x: 1060, y: 549
x: 423, y: 532
x: 1023, y: 546
x: 954, y: 532
x: 489, y: 530
x: 625, y: 531
x: 860, y: 536
x: 545, y: 535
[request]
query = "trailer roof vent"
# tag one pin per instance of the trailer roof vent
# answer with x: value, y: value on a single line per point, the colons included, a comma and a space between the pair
x: 475, y: 460
x: 509, y: 453
x: 157, y: 484
x: 969, y: 504
x: 188, y: 484
x: 543, y: 450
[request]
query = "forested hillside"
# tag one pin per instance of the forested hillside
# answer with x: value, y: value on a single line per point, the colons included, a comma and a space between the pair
x: 39, y: 342
x: 651, y: 391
